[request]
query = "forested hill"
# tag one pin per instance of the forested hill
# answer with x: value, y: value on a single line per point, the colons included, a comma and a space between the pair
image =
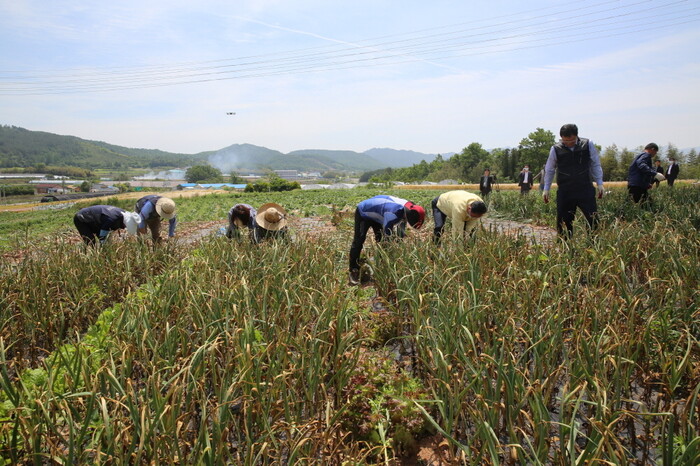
x: 20, y: 147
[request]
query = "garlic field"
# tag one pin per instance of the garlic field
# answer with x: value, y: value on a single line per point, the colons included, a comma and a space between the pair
x: 501, y: 349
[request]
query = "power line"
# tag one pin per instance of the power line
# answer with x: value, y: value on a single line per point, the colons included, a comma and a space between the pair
x: 536, y: 32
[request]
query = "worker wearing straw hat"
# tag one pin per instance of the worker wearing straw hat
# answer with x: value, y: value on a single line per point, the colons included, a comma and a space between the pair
x: 241, y: 216
x: 153, y: 209
x: 98, y: 221
x: 271, y: 222
x: 381, y: 213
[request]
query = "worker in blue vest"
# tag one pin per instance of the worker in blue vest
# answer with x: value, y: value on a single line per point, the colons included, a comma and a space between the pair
x: 153, y: 209
x: 97, y: 222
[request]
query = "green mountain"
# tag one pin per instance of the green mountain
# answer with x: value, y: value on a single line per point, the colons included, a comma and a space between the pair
x: 20, y: 147
x: 338, y: 159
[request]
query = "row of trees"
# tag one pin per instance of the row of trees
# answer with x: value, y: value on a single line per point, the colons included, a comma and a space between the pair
x: 468, y: 165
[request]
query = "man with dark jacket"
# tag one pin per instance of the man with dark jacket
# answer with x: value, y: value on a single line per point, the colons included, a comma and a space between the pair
x: 659, y: 169
x: 577, y: 164
x: 641, y: 174
x: 486, y: 183
x: 525, y: 180
x: 98, y: 221
x: 672, y: 171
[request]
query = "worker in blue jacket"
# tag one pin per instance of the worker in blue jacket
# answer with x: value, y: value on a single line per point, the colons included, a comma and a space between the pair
x: 96, y: 222
x: 153, y: 209
x: 641, y: 174
x: 382, y: 214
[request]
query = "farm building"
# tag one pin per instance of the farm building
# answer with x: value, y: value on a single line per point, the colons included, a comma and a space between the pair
x: 53, y: 188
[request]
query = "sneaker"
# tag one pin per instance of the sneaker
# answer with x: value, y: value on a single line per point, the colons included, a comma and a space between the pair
x: 354, y: 277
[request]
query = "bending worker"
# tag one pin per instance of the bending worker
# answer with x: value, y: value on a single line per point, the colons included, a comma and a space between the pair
x: 153, y: 209
x: 641, y: 174
x: 98, y: 221
x: 464, y: 210
x: 381, y: 214
x: 241, y: 216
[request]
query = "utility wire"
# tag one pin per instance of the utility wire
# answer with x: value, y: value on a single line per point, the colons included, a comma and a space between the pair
x: 535, y: 32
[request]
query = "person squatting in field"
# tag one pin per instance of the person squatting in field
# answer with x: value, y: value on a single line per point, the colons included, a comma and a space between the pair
x: 464, y: 210
x: 153, y: 209
x: 98, y: 221
x: 382, y: 214
x: 641, y: 174
x: 577, y: 163
x: 270, y: 223
x: 241, y: 216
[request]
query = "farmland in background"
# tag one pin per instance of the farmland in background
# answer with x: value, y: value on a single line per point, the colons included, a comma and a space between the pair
x: 499, y: 349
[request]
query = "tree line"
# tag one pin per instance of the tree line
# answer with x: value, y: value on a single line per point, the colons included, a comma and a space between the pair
x: 506, y: 163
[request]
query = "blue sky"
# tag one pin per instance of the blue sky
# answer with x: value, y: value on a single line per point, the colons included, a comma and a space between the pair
x: 323, y: 74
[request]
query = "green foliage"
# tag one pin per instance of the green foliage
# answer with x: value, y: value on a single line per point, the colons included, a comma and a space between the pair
x: 534, y: 149
x: 203, y: 173
x: 275, y: 184
x: 16, y: 189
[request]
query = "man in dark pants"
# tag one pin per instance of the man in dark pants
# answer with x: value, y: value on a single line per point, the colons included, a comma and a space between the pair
x: 672, y: 171
x: 577, y: 163
x: 381, y: 213
x: 641, y: 174
x: 486, y: 183
x: 525, y: 180
x: 659, y: 169
x: 96, y: 222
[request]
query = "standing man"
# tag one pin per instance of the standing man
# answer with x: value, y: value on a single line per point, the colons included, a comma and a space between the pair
x: 98, y: 221
x: 153, y: 209
x: 659, y: 169
x: 672, y: 171
x: 486, y: 183
x: 381, y: 214
x: 525, y: 180
x: 464, y: 210
x: 577, y: 164
x: 641, y: 174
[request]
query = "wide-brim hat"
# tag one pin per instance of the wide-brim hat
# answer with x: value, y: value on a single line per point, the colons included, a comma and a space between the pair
x: 271, y: 216
x: 165, y: 207
x: 131, y: 222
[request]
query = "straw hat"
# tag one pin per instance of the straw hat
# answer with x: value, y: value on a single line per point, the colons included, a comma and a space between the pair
x: 271, y: 216
x: 165, y: 207
x: 131, y: 221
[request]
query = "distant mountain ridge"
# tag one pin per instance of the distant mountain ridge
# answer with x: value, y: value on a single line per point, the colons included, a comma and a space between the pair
x: 20, y: 147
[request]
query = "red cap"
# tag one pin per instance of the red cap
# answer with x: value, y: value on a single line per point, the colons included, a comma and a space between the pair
x: 421, y: 213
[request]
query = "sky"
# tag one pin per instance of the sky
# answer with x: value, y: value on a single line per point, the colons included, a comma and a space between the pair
x: 353, y: 75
